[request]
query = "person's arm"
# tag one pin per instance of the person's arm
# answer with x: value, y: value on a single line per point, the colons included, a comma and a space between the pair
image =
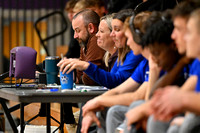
x: 171, y: 101
x: 139, y: 76
x: 171, y: 76
x: 190, y: 83
x: 127, y: 86
x: 94, y: 104
x: 154, y: 73
x: 87, y: 121
x: 118, y: 74
x: 67, y: 65
x: 190, y: 102
x: 137, y: 114
x: 131, y: 84
x: 124, y: 98
x: 110, y: 79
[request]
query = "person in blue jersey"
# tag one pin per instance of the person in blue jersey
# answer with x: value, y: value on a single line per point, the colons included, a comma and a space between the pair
x: 180, y: 17
x: 173, y: 100
x: 120, y: 96
x: 158, y: 39
x: 123, y: 67
x: 130, y: 85
x: 117, y: 112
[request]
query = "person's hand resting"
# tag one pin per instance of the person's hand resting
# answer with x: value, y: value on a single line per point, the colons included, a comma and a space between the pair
x: 87, y: 121
x: 138, y: 116
x: 167, y: 103
x: 92, y: 105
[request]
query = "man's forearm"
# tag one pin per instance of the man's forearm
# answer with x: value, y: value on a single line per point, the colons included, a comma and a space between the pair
x: 110, y: 92
x: 127, y: 86
x: 123, y: 99
x: 172, y: 75
x: 190, y: 102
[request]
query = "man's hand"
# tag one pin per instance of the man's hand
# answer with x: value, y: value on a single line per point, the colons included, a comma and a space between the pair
x: 67, y: 65
x: 138, y: 115
x: 153, y: 65
x: 167, y: 103
x: 92, y: 105
x: 185, y: 60
x: 87, y: 121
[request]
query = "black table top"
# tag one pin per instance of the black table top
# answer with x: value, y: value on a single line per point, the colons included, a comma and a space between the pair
x: 29, y: 95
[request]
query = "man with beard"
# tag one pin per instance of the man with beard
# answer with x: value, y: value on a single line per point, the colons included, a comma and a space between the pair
x: 85, y: 24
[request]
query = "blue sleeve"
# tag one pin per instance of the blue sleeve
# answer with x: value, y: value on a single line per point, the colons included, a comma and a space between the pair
x: 118, y: 74
x: 141, y: 73
x: 196, y: 71
x: 194, y: 67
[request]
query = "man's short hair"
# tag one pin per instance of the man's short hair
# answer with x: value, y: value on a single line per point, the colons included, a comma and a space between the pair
x: 196, y: 16
x: 185, y: 8
x: 89, y: 16
x: 70, y: 5
x: 98, y: 3
x: 84, y: 4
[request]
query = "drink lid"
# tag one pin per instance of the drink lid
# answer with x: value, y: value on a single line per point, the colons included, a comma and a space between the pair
x: 52, y: 58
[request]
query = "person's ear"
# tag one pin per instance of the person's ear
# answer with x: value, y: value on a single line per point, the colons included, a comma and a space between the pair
x: 91, y: 28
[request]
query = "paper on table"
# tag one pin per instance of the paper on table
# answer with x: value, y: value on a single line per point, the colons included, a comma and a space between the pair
x: 90, y: 88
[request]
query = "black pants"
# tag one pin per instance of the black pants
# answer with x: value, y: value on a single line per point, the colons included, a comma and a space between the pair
x: 68, y: 113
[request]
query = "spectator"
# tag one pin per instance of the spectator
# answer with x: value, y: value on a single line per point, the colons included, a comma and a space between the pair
x: 85, y: 25
x: 180, y: 17
x: 131, y: 84
x: 191, y: 122
x: 69, y: 8
x: 75, y: 6
x: 74, y: 48
x: 123, y: 67
x: 105, y: 41
x: 96, y: 5
x: 157, y: 38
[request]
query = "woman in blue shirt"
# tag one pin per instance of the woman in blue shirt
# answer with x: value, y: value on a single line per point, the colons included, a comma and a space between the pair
x: 123, y: 67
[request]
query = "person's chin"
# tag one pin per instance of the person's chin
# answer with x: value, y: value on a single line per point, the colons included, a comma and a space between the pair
x: 118, y: 45
x: 81, y: 44
x: 99, y: 43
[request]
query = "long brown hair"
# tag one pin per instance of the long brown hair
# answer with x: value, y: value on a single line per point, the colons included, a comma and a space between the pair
x: 122, y: 15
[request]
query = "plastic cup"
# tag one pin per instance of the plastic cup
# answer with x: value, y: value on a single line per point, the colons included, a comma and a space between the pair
x: 66, y: 80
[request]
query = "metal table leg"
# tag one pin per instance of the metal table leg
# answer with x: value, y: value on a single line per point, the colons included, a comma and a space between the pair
x: 48, y: 111
x: 61, y: 118
x: 8, y: 115
x: 80, y: 119
x: 22, y: 117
